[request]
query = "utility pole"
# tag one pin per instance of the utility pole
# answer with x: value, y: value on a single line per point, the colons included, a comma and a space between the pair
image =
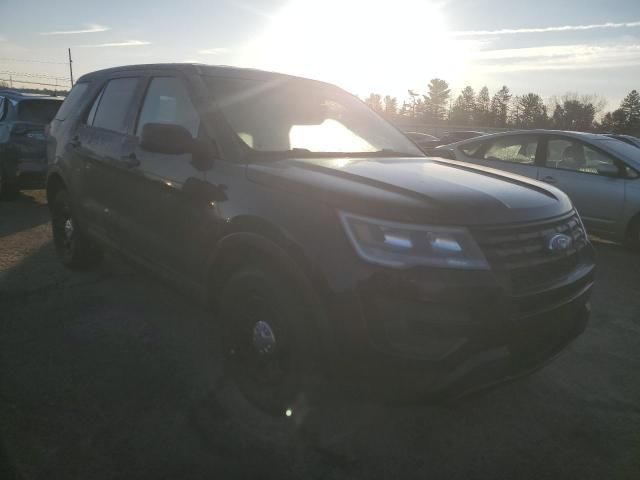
x: 70, y: 67
x: 10, y: 81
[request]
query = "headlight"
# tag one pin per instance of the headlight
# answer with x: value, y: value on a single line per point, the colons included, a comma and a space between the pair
x: 403, y: 245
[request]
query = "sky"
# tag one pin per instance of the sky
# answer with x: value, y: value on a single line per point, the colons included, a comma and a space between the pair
x: 549, y: 47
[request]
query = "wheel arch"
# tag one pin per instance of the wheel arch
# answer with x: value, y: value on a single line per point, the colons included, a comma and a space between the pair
x: 253, y: 240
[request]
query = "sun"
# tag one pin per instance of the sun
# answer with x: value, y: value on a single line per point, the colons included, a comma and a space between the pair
x: 360, y: 45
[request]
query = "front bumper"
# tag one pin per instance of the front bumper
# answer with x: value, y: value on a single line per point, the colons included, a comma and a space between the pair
x: 441, y: 332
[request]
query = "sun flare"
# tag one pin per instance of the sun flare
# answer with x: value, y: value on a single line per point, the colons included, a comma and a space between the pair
x: 359, y: 45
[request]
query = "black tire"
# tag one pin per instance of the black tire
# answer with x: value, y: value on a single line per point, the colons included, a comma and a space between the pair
x: 75, y: 250
x: 267, y: 338
x: 8, y: 188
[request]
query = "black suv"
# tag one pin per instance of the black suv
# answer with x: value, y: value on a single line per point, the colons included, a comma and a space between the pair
x: 23, y: 117
x: 327, y: 243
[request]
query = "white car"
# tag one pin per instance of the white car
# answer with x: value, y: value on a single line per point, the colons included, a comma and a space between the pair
x: 599, y: 173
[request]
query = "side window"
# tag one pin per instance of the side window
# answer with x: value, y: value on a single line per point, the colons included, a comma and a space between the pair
x: 513, y: 149
x: 573, y: 155
x: 167, y: 101
x: 92, y: 113
x: 2, y: 108
x: 115, y: 101
x: 72, y: 100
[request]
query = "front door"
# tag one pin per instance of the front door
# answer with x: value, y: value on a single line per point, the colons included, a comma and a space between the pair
x: 584, y: 173
x: 164, y: 190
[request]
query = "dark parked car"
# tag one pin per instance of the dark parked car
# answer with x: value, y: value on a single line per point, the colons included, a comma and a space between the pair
x: 428, y: 143
x: 23, y: 118
x: 423, y: 140
x: 451, y: 137
x: 328, y: 244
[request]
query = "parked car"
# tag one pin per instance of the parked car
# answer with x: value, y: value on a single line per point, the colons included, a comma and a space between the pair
x: 328, y: 244
x: 631, y: 140
x: 451, y: 137
x: 428, y: 145
x: 423, y: 140
x: 600, y: 174
x: 23, y: 161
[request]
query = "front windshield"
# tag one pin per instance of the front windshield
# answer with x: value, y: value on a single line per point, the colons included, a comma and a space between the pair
x: 304, y: 116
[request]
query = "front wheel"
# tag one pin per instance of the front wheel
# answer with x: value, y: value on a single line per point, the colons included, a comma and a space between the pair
x: 74, y: 249
x: 267, y: 336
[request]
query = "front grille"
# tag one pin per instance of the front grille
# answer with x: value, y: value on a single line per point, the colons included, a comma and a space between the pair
x: 521, y: 252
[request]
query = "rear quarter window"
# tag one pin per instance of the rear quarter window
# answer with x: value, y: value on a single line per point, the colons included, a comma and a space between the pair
x: 472, y: 149
x: 73, y: 99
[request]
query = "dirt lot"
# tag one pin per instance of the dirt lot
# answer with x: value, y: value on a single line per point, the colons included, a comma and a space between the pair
x: 109, y: 375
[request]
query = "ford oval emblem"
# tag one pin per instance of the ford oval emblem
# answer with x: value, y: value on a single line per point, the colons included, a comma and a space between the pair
x: 559, y: 242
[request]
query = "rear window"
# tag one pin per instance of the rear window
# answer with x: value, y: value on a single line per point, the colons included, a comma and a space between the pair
x: 115, y: 103
x: 72, y: 100
x: 38, y: 111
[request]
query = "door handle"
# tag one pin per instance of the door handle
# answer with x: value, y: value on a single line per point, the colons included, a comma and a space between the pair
x: 130, y: 160
x: 549, y: 179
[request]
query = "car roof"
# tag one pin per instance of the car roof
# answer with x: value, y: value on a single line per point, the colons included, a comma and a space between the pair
x: 578, y: 135
x: 594, y: 138
x: 193, y: 68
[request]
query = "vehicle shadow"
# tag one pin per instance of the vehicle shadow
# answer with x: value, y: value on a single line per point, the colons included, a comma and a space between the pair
x: 110, y: 374
x: 24, y: 212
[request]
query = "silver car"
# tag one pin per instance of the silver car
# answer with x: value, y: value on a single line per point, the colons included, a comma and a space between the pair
x: 599, y: 173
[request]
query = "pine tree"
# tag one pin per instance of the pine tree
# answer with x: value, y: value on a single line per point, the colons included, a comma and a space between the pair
x: 500, y: 106
x: 435, y: 101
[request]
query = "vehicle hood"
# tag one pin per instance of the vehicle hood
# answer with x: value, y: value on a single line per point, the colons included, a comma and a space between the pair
x: 416, y: 189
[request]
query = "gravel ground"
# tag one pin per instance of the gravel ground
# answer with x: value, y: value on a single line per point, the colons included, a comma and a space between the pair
x: 110, y: 374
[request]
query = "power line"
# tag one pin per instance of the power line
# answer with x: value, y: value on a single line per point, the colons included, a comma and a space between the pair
x: 32, y: 83
x: 31, y: 61
x: 35, y: 75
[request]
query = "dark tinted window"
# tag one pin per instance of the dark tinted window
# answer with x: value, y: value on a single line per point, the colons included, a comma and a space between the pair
x: 2, y: 108
x: 38, y: 111
x: 167, y: 101
x: 115, y: 103
x: 72, y: 100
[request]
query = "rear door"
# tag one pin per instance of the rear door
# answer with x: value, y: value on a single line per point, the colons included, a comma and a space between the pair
x: 573, y: 166
x: 512, y: 153
x: 99, y: 142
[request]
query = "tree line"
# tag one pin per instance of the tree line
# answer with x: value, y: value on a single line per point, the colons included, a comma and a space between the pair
x: 503, y: 109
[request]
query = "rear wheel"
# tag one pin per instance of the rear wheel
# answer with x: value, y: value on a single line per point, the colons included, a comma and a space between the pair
x: 74, y: 249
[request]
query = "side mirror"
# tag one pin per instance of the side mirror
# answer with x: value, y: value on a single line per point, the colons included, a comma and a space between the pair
x: 166, y: 138
x: 608, y: 170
